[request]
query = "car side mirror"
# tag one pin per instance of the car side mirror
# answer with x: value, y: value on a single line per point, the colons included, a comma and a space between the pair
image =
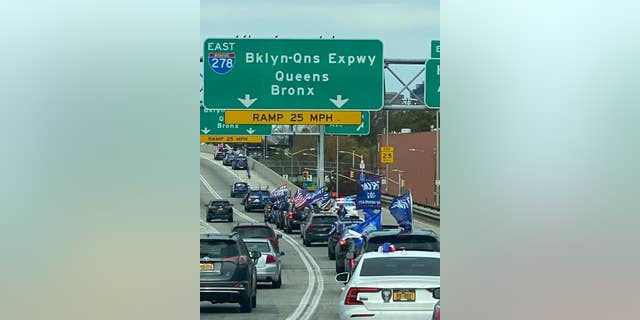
x: 342, y: 277
x: 279, y: 236
x: 282, y: 253
x: 255, y: 255
x: 436, y: 293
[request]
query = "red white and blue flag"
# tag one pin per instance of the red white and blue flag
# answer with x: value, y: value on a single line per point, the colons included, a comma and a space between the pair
x: 300, y: 199
x: 282, y: 190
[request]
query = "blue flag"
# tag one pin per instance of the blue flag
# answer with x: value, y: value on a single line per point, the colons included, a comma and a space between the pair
x: 402, y: 210
x: 368, y: 212
x: 372, y: 224
x: 316, y: 196
x: 369, y: 194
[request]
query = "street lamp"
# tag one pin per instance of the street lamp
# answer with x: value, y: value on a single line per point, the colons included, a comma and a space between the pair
x: 290, y: 155
x: 399, y: 181
x: 353, y: 157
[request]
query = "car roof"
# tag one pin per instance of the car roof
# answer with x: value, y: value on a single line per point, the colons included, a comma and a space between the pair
x: 400, y: 253
x: 219, y: 236
x: 252, y: 224
x: 421, y: 232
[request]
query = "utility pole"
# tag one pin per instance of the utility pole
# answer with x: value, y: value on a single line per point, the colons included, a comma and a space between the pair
x: 386, y: 131
x: 320, y: 172
x: 337, y: 167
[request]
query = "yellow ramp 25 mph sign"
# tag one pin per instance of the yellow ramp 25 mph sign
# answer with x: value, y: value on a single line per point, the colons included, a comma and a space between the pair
x: 386, y: 155
x: 292, y: 117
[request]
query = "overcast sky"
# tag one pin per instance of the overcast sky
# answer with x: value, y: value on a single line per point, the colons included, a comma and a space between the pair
x: 405, y: 27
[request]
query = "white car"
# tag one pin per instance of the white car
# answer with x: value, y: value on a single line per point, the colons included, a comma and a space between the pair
x: 350, y: 205
x: 391, y: 285
x: 269, y: 265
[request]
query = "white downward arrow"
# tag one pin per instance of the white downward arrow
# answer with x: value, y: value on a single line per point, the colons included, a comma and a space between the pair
x: 338, y: 102
x: 247, y: 101
x: 205, y: 130
x: 250, y: 131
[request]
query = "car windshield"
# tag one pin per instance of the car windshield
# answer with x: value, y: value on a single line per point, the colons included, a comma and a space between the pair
x: 324, y: 219
x: 218, y: 248
x: 400, y: 266
x: 258, y: 246
x: 254, y: 232
x: 406, y: 241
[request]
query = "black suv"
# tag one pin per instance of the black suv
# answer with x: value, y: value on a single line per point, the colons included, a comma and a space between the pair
x: 293, y: 219
x: 228, y: 159
x: 239, y: 189
x: 252, y: 200
x: 420, y: 240
x: 316, y: 227
x: 219, y: 209
x: 337, y: 232
x: 227, y: 270
x: 239, y: 163
x: 220, y: 154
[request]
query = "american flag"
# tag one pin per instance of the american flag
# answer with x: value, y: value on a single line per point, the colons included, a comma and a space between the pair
x: 300, y: 199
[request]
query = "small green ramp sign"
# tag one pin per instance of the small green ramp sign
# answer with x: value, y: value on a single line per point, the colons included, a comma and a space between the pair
x: 361, y: 129
x: 212, y: 123
x: 293, y: 74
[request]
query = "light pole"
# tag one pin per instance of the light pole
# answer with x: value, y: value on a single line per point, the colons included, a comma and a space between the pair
x: 290, y: 155
x: 399, y: 181
x: 353, y: 157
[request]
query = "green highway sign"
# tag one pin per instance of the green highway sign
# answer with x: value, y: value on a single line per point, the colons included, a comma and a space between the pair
x: 432, y: 84
x: 361, y: 129
x: 435, y: 49
x: 293, y: 74
x: 212, y: 123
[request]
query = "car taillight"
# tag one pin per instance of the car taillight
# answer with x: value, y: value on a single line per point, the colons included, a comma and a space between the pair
x: 352, y: 295
x: 271, y: 259
x: 342, y: 243
x: 310, y: 226
x: 290, y: 215
x: 437, y: 312
x: 352, y: 262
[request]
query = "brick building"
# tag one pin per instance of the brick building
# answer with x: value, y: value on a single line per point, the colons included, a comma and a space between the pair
x: 415, y: 155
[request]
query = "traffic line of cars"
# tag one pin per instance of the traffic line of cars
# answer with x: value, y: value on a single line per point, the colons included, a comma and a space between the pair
x: 401, y: 283
x: 267, y: 264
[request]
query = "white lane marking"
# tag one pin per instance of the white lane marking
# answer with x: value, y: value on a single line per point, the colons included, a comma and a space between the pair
x: 315, y: 277
x: 207, y: 226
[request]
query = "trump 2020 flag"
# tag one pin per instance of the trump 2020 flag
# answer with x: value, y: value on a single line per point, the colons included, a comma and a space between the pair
x: 316, y: 196
x: 369, y: 194
x: 372, y: 224
x: 402, y: 210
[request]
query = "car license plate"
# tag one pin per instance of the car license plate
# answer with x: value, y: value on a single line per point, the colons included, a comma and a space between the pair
x: 404, y: 295
x: 207, y: 267
x: 220, y: 209
x: 326, y: 229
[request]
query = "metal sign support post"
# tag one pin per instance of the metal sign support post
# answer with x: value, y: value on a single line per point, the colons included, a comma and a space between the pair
x: 321, y: 157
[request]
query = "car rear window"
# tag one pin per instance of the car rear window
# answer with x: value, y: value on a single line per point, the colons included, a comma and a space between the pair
x: 218, y: 248
x: 406, y: 241
x: 325, y: 219
x: 258, y: 246
x: 254, y: 232
x: 400, y: 266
